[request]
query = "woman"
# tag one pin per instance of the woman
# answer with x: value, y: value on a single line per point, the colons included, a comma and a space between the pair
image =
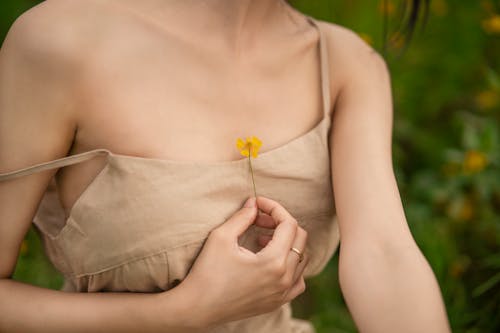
x: 148, y: 196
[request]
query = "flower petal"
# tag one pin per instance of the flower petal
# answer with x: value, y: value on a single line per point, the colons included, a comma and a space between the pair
x: 240, y: 144
x: 256, y: 141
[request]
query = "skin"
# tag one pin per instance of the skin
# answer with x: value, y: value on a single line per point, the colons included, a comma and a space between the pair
x: 69, y: 84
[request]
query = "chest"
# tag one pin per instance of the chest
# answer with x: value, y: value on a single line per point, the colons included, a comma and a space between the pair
x: 153, y: 96
x: 165, y: 96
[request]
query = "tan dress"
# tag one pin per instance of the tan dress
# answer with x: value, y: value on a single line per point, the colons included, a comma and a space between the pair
x: 141, y: 222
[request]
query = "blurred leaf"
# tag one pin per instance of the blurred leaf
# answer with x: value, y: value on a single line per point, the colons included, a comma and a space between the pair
x: 481, y: 289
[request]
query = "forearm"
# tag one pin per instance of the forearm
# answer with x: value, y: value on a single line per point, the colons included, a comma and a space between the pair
x: 391, y: 289
x: 26, y: 308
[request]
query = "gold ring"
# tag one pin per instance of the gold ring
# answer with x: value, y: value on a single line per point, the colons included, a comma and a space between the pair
x: 301, y: 255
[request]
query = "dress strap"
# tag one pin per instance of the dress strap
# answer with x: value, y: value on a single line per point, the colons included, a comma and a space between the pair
x: 60, y: 162
x: 325, y: 72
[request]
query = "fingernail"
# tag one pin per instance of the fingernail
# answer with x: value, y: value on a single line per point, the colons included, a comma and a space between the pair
x: 250, y: 202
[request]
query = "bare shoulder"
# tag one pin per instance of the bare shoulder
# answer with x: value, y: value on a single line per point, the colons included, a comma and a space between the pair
x: 52, y: 31
x: 350, y: 57
x: 40, y: 63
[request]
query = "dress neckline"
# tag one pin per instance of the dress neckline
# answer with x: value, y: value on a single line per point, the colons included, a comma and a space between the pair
x: 325, y: 94
x: 261, y: 156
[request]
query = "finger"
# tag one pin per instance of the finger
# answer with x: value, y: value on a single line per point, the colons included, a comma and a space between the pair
x: 273, y: 208
x: 299, y: 243
x: 281, y: 241
x: 299, y: 284
x: 294, y: 259
x: 284, y: 234
x: 298, y: 288
x: 264, y: 239
x: 301, y: 267
x: 241, y: 220
x: 265, y: 221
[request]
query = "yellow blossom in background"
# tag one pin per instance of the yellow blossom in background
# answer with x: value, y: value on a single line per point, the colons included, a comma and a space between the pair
x: 459, y: 266
x: 439, y: 7
x: 466, y: 210
x: 252, y: 145
x: 24, y: 247
x: 474, y: 161
x: 397, y: 40
x: 487, y: 99
x: 456, y: 269
x: 492, y: 24
x: 386, y: 7
x: 460, y: 209
x: 367, y: 38
x: 248, y: 148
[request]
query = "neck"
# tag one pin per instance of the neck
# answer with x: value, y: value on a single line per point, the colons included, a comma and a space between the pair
x: 239, y: 19
x: 237, y: 24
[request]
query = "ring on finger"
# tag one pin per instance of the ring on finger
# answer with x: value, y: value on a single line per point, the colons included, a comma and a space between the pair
x: 300, y: 254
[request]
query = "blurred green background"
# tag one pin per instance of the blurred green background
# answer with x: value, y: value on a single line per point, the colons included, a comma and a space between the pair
x: 446, y: 152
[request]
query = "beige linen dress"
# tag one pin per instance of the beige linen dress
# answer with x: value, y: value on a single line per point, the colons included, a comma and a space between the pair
x: 141, y: 222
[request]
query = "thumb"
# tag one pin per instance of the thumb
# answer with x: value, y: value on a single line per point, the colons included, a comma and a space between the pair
x: 242, y: 219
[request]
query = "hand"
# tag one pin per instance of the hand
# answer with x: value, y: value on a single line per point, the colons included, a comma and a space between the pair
x: 231, y: 282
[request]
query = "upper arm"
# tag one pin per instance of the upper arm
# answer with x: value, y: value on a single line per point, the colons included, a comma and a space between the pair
x: 37, y: 120
x: 367, y: 199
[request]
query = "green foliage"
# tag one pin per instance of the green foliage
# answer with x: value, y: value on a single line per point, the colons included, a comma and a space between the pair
x: 10, y: 10
x: 33, y: 266
x: 446, y: 151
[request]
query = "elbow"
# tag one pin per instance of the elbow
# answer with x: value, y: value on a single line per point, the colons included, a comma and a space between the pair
x: 387, y: 236
x: 373, y: 248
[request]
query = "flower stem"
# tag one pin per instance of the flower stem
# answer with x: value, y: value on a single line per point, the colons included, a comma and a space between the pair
x: 251, y: 170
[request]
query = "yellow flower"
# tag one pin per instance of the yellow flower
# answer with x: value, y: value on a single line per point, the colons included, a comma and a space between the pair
x: 461, y: 209
x: 24, y: 247
x: 474, y: 161
x: 386, y: 7
x: 492, y: 24
x: 459, y: 266
x: 466, y: 210
x: 396, y: 40
x: 252, y: 145
x: 487, y: 99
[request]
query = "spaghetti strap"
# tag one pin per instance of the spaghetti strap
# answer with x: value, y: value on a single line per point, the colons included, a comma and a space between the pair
x: 325, y: 77
x: 60, y: 162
